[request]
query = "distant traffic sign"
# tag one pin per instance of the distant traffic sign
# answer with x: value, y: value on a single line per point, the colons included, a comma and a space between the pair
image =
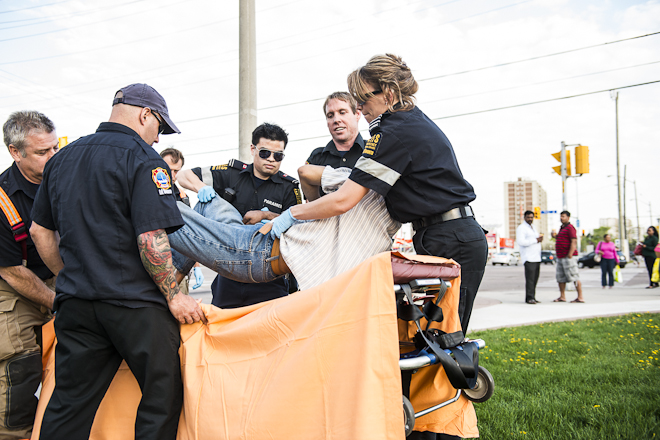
x: 548, y: 212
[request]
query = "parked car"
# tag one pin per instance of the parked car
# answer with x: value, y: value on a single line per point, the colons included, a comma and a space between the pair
x: 505, y: 258
x: 588, y: 260
x: 548, y: 257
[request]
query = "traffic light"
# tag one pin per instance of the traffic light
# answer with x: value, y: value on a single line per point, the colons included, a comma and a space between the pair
x: 63, y: 141
x: 581, y: 159
x: 537, y: 213
x: 568, y: 163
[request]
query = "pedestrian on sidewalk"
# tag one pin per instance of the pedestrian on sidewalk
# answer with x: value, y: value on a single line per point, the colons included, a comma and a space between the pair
x: 648, y: 246
x: 567, y: 269
x: 608, y: 259
x: 529, y: 242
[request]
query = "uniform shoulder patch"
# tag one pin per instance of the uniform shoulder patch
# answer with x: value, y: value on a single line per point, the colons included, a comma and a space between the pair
x: 219, y: 167
x: 288, y: 178
x: 161, y: 178
x: 371, y: 146
x: 235, y: 163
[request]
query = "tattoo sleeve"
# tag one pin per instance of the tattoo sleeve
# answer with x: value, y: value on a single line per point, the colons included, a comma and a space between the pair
x: 156, y: 255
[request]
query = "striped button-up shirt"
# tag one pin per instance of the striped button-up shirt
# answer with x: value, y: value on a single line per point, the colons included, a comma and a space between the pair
x: 319, y: 250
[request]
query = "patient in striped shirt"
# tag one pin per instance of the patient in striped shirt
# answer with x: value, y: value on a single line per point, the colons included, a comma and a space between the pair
x: 315, y: 251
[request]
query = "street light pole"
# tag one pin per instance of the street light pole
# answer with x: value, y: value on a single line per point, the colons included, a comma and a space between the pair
x: 622, y: 231
x: 639, y: 231
x: 563, y: 176
x: 247, y: 79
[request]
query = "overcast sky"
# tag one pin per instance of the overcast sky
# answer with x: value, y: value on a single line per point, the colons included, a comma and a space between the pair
x: 66, y: 58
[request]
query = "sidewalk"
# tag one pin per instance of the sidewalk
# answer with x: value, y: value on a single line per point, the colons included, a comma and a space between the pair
x: 497, y: 309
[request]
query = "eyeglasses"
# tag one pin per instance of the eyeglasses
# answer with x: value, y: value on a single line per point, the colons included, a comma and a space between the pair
x: 277, y: 155
x: 161, y: 124
x: 372, y: 94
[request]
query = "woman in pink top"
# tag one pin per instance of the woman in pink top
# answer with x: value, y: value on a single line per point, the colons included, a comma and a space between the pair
x: 609, y: 259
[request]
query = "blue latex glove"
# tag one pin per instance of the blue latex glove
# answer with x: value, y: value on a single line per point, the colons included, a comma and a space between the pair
x: 282, y: 223
x: 264, y: 221
x: 199, y: 277
x: 206, y: 193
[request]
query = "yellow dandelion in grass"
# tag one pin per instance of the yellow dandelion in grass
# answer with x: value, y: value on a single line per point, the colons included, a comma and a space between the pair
x: 596, y: 406
x: 549, y: 351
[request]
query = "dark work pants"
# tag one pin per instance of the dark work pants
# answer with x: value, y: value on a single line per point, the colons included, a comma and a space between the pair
x: 607, y: 270
x: 532, y: 271
x: 92, y: 339
x: 649, y: 267
x: 464, y: 241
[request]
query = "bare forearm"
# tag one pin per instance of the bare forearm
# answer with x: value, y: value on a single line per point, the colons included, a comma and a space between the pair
x: 156, y: 255
x: 48, y: 246
x: 333, y: 204
x: 189, y: 180
x: 310, y: 180
x: 25, y: 282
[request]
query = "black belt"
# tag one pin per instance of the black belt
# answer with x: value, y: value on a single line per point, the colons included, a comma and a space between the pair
x: 452, y: 214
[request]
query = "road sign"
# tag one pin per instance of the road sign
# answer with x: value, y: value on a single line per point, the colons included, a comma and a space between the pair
x: 548, y: 212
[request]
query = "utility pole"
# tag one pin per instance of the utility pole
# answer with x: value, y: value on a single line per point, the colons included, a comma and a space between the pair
x: 622, y: 230
x: 564, y: 204
x: 625, y: 211
x: 247, y: 79
x: 639, y: 231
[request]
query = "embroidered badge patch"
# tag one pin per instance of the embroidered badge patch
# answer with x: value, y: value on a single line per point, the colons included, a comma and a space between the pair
x: 372, y: 145
x: 162, y: 180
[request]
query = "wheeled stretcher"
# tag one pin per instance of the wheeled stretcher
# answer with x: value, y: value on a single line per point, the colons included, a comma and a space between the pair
x: 419, y: 289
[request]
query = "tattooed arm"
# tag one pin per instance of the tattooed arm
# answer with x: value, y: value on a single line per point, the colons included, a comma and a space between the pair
x: 156, y: 256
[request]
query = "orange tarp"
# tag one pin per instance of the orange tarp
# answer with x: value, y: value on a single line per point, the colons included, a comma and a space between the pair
x: 319, y: 364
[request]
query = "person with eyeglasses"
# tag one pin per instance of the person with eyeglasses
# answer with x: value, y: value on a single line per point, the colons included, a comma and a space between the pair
x: 260, y: 192
x: 412, y: 164
x: 116, y: 295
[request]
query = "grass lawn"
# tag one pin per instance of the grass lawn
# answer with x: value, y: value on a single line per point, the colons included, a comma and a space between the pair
x: 589, y: 379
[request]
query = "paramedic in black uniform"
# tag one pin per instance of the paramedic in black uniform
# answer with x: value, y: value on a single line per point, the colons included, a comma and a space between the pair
x: 250, y: 189
x: 345, y: 148
x: 409, y: 161
x: 116, y: 295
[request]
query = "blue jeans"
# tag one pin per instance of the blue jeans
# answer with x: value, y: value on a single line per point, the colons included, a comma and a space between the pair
x: 215, y: 236
x: 607, y: 270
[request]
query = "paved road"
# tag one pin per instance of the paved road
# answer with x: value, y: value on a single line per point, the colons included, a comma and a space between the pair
x: 500, y: 302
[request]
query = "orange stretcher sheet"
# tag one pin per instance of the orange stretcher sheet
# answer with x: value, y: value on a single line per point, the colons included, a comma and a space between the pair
x: 321, y: 364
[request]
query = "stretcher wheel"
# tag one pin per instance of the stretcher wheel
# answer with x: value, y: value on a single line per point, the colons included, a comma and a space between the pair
x: 408, y: 416
x: 484, y: 388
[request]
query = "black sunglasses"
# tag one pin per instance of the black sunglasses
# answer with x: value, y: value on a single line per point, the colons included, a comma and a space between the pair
x: 265, y: 154
x: 371, y: 94
x: 161, y: 124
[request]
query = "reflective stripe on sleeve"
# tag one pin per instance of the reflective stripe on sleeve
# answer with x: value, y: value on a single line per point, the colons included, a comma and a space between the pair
x: 377, y: 170
x: 207, y: 177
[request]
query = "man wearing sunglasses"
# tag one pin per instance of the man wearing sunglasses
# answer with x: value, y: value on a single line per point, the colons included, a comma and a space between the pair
x: 259, y: 191
x: 116, y: 294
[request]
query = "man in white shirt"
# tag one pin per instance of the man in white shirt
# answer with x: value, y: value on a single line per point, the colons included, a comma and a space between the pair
x: 529, y: 242
x: 314, y: 251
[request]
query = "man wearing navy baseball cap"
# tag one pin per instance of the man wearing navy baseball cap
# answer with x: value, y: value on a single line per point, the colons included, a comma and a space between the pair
x: 116, y: 294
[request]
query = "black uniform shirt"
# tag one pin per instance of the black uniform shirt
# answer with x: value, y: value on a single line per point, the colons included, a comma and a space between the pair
x: 278, y: 193
x: 411, y: 163
x: 329, y: 155
x: 21, y: 193
x: 101, y: 192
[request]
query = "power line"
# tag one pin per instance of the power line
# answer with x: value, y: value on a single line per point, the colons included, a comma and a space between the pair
x: 71, y: 14
x: 35, y: 7
x: 545, y: 100
x: 540, y: 82
x: 88, y: 24
x: 537, y: 57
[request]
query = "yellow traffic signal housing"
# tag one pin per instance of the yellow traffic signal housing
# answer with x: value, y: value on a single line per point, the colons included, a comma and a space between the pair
x: 537, y: 212
x: 63, y: 141
x: 568, y: 163
x: 581, y: 159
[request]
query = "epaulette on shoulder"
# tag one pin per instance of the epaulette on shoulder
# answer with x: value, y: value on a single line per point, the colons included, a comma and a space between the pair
x: 235, y: 163
x: 288, y: 178
x: 375, y: 123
